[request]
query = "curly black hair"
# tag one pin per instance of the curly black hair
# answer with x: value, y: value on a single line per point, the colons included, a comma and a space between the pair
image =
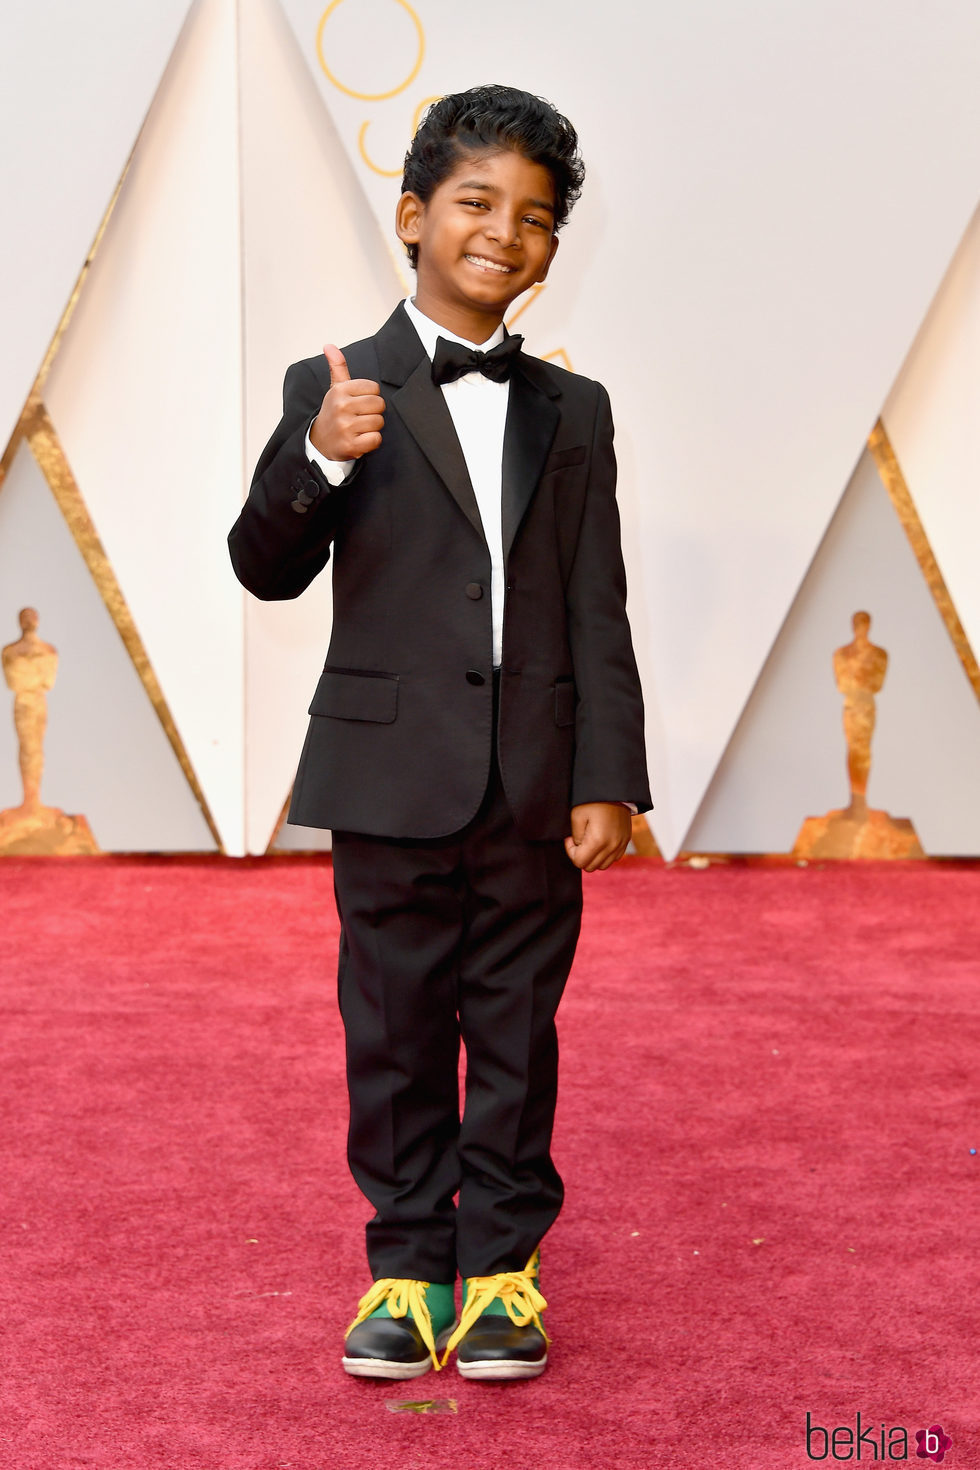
x: 493, y: 117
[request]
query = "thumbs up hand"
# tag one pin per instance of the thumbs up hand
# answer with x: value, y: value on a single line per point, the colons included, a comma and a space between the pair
x: 351, y: 415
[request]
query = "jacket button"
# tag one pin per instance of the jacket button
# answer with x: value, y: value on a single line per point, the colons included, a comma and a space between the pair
x: 474, y: 591
x: 473, y: 676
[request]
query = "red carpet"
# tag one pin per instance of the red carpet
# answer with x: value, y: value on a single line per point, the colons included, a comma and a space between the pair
x: 769, y: 1100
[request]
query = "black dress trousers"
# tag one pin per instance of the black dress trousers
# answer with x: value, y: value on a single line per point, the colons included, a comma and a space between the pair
x: 470, y: 936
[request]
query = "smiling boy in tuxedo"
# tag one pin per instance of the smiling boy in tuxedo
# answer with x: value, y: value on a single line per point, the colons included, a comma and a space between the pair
x: 476, y: 737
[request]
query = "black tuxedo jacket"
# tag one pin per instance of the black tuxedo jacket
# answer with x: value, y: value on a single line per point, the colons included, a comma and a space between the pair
x: 399, y: 740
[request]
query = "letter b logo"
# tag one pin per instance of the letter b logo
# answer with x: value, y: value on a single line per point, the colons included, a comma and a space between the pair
x: 812, y: 1430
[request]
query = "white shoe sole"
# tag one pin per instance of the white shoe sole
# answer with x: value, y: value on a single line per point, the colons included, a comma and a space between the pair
x: 501, y: 1368
x: 382, y: 1368
x: 385, y: 1368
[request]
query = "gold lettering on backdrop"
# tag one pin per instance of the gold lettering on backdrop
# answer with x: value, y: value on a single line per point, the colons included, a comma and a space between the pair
x: 391, y: 173
x: 561, y: 357
x: 529, y: 299
x: 29, y: 667
x: 857, y: 831
x: 386, y: 173
x: 370, y: 96
x: 426, y: 102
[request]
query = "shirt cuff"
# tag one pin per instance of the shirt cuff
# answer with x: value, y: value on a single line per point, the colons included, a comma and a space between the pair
x: 336, y: 470
x: 629, y: 807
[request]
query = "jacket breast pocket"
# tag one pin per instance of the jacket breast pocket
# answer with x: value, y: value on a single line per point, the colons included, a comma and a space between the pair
x: 563, y: 459
x: 349, y: 694
x: 564, y: 702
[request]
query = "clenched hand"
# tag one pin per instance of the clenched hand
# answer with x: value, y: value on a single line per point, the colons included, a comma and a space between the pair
x: 600, y: 834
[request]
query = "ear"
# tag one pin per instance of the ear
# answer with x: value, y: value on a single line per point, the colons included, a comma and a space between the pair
x: 408, y: 218
x: 547, y: 265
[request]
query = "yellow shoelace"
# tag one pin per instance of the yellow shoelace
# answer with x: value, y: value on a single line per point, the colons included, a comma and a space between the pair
x: 401, y: 1298
x: 517, y: 1290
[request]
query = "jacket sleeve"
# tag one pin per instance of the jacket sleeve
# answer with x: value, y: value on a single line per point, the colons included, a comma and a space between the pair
x: 282, y: 538
x: 610, y: 754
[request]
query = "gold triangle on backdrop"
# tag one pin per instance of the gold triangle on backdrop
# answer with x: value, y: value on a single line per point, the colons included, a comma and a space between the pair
x: 47, y: 450
x: 901, y: 498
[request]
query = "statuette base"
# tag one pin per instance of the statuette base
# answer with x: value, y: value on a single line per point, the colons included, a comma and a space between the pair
x: 857, y: 832
x: 45, y: 831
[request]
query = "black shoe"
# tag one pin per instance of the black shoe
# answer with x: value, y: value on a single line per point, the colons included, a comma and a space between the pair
x: 495, y: 1348
x: 500, y: 1333
x: 389, y: 1347
x: 392, y: 1334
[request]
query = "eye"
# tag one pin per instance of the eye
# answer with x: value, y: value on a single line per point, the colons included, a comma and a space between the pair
x: 476, y: 203
x: 529, y: 219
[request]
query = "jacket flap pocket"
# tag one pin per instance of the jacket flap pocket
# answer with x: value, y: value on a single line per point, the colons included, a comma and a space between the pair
x: 562, y: 458
x: 564, y: 702
x: 353, y: 696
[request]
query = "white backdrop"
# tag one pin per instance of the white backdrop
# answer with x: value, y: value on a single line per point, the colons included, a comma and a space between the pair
x: 77, y: 82
x: 775, y: 196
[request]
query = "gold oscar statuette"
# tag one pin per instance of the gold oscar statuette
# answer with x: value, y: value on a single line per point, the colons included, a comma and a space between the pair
x: 29, y: 667
x: 858, y: 831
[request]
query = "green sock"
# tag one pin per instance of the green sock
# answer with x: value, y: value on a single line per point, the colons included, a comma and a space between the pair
x: 441, y: 1302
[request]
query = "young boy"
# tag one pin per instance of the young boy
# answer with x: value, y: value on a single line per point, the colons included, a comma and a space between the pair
x: 476, y: 738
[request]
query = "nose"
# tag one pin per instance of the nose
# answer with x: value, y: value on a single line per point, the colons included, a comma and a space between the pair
x: 501, y: 228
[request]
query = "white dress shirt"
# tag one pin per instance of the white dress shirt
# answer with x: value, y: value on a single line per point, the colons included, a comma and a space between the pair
x: 478, y: 408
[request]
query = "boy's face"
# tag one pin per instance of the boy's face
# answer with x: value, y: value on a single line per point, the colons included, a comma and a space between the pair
x: 485, y: 235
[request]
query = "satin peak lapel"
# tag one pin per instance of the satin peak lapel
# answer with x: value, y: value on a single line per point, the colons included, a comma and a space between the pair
x: 423, y: 410
x: 532, y: 419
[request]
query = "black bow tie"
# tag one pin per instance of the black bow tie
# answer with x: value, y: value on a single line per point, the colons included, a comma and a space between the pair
x: 452, y: 360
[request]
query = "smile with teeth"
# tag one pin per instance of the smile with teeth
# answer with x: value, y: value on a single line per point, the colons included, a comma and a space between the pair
x: 482, y: 263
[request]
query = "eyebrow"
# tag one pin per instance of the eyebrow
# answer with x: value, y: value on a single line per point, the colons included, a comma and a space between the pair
x: 492, y: 189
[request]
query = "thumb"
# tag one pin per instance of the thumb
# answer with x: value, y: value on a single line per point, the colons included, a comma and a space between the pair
x: 579, y: 824
x: 339, y: 372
